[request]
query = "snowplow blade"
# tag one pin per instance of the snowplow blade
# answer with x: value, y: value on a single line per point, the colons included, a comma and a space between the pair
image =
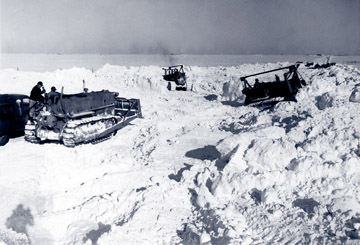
x: 128, y: 107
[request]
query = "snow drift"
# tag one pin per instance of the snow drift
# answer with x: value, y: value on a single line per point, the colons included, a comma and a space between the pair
x: 199, y: 168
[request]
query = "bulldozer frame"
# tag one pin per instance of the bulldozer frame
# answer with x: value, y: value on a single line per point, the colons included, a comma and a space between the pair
x: 263, y: 91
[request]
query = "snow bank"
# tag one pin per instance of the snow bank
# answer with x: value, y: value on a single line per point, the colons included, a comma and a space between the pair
x: 301, y: 153
x: 200, y: 167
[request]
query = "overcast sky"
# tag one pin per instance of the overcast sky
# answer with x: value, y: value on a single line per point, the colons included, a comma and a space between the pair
x: 181, y: 26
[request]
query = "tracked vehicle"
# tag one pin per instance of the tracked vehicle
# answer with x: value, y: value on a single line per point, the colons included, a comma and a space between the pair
x: 81, y: 118
x: 285, y: 89
x: 311, y: 65
x: 177, y: 75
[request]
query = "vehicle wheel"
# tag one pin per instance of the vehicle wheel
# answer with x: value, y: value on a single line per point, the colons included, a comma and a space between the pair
x: 181, y: 80
x: 4, y: 139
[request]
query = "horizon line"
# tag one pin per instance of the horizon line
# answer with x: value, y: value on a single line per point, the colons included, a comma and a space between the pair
x: 173, y: 54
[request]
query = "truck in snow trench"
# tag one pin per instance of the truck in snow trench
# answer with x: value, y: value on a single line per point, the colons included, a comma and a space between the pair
x: 88, y: 117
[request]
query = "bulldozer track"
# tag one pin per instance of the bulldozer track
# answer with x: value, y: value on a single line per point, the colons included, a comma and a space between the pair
x: 76, y: 132
x: 32, y: 139
x: 87, y: 130
x: 30, y: 134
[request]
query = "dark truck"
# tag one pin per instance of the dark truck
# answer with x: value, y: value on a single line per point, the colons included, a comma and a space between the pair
x: 14, y: 113
x: 175, y: 74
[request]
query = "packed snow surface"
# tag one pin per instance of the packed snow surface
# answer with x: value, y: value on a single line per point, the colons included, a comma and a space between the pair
x: 199, y: 168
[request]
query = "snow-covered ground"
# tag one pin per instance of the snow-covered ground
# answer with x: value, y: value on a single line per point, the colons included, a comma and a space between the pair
x: 199, y: 168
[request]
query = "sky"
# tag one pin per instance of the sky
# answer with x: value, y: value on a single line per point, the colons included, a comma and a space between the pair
x: 180, y: 26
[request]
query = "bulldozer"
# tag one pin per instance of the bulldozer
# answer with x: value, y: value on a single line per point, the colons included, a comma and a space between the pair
x: 311, y: 65
x: 14, y: 110
x: 87, y: 117
x: 287, y: 88
x: 177, y: 75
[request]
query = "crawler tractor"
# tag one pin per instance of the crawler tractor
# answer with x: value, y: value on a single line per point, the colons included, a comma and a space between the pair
x: 81, y: 118
x: 267, y: 91
x: 311, y: 65
x: 175, y: 74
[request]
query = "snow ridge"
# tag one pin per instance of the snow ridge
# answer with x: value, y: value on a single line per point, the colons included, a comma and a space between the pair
x: 199, y: 168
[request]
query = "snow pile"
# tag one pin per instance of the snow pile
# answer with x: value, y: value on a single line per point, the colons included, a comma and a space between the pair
x: 138, y: 78
x: 306, y: 152
x: 200, y: 168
